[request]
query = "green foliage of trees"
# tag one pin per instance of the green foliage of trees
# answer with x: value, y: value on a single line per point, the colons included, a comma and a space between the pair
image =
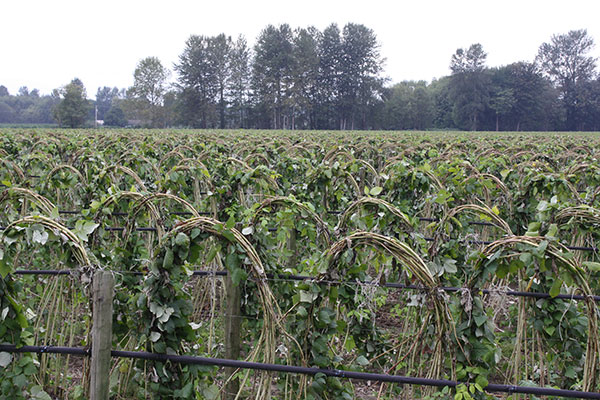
x: 306, y: 78
x: 26, y: 107
x: 104, y: 100
x: 272, y: 74
x: 115, y: 117
x: 73, y: 109
x: 145, y: 99
x: 469, y: 86
x: 408, y: 105
x: 238, y: 83
x: 203, y: 73
x: 566, y: 62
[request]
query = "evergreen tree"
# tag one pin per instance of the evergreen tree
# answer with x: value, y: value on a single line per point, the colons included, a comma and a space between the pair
x: 239, y: 82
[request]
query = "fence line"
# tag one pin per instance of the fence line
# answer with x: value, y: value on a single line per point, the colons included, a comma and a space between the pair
x: 393, y: 285
x: 428, y: 239
x: 375, y: 377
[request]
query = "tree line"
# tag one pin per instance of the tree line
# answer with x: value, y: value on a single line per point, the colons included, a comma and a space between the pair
x: 332, y: 79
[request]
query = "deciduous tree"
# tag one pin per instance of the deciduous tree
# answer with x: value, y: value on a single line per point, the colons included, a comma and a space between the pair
x: 104, y: 99
x: 146, y: 96
x: 566, y: 62
x: 73, y: 109
x: 469, y: 86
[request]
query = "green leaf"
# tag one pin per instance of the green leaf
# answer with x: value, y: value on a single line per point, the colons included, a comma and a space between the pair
x: 182, y: 240
x: 592, y: 266
x: 186, y: 391
x: 211, y: 392
x: 481, y: 381
x: 480, y: 319
x: 168, y: 260
x: 5, y: 359
x: 541, y: 249
x: 238, y: 275
x: 450, y: 266
x: 40, y: 237
x: 526, y: 258
x: 37, y: 393
x: 230, y: 223
x: 5, y: 268
x: 54, y: 214
x: 555, y: 289
x: 154, y: 336
x: 533, y: 229
x: 375, y: 191
x: 362, y: 360
x: 550, y: 330
x: 89, y: 227
x: 166, y: 314
x: 552, y: 231
x: 307, y: 297
x: 301, y: 312
x: 542, y: 206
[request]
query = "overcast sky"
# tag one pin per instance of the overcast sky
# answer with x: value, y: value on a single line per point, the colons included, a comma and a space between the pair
x: 44, y: 44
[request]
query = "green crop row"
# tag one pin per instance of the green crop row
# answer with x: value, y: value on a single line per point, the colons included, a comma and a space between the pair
x: 352, y: 210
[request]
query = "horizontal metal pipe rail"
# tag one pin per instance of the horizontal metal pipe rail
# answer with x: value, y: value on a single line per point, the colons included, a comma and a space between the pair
x: 374, y: 377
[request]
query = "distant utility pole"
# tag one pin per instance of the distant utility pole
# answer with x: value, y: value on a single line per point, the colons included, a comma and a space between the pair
x: 96, y: 117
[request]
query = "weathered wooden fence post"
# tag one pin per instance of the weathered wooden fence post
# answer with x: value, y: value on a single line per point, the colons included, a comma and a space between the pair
x: 102, y: 291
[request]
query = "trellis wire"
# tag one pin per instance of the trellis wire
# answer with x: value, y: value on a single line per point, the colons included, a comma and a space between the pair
x: 393, y: 285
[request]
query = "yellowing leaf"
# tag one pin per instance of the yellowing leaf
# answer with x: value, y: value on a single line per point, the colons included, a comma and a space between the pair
x: 376, y: 190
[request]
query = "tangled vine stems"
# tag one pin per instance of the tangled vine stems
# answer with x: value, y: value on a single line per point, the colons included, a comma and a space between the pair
x: 403, y: 219
x: 45, y: 205
x: 17, y: 171
x: 127, y: 171
x: 57, y: 169
x: 272, y: 201
x: 137, y: 198
x: 77, y: 245
x: 480, y: 177
x: 409, y: 259
x: 142, y: 203
x: 572, y: 273
x: 14, y: 320
x: 579, y: 217
x: 582, y: 214
x: 194, y: 169
x: 442, y: 228
x: 170, y: 271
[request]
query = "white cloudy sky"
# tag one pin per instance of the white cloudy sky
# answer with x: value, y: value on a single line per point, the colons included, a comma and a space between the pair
x: 44, y: 44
